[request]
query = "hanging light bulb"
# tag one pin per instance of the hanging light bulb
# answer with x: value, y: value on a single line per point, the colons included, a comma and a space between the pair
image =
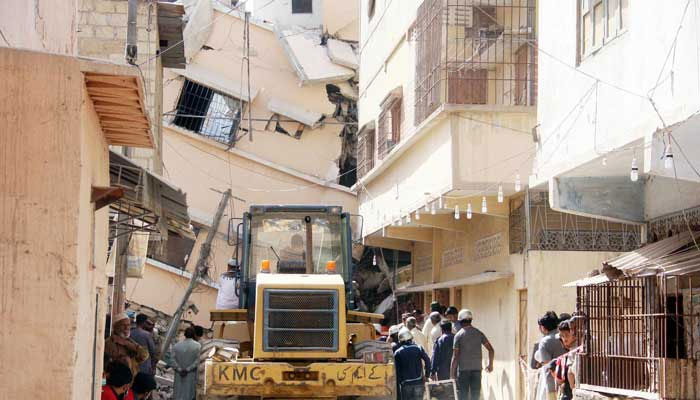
x: 432, y: 209
x: 500, y: 194
x: 383, y: 230
x: 469, y: 210
x: 456, y: 211
x: 417, y: 213
x: 400, y: 220
x: 427, y: 203
x: 605, y: 161
x: 634, y: 171
x: 440, y: 203
x: 408, y: 218
x: 374, y: 260
x: 517, y: 182
x: 668, y: 157
x: 484, y: 209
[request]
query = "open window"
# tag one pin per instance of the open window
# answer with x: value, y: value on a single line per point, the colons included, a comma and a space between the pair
x: 365, y: 149
x: 174, y: 252
x: 209, y: 113
x: 600, y: 21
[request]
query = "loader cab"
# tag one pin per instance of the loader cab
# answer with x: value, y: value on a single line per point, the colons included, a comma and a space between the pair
x: 304, y: 240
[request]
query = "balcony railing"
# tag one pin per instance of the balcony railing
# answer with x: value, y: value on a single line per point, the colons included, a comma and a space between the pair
x: 474, y: 52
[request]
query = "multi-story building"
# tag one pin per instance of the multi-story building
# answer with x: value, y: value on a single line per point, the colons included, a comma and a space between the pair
x: 617, y: 140
x: 448, y: 96
x: 299, y: 98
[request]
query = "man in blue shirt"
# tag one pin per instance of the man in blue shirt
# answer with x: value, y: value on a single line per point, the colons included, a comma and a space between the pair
x: 409, y: 371
x: 442, y: 353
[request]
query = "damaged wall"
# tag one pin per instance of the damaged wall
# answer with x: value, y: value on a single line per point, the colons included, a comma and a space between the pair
x: 53, y: 246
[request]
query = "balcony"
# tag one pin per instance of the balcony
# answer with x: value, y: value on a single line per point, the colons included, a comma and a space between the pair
x: 486, y: 54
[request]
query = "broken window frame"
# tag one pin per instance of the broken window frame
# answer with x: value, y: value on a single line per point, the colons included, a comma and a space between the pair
x: 302, y: 7
x: 160, y: 251
x: 208, y: 112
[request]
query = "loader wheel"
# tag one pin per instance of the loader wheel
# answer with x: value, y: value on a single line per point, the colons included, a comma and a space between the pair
x: 207, y: 347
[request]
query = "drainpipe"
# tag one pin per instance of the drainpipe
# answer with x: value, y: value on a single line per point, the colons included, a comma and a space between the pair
x: 132, y: 33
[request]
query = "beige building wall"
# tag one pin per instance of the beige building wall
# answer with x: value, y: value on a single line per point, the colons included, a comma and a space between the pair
x: 45, y: 25
x: 53, y: 248
x: 102, y: 34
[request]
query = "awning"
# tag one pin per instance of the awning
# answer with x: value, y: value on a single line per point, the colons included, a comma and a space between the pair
x: 170, y: 27
x: 160, y: 206
x: 306, y: 117
x: 310, y: 58
x: 476, y: 279
x: 676, y: 255
x: 214, y: 80
x: 116, y: 93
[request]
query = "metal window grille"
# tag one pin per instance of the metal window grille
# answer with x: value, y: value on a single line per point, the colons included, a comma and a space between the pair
x: 642, y: 334
x: 365, y: 152
x: 552, y: 230
x: 474, y: 53
x: 208, y: 113
x: 302, y: 7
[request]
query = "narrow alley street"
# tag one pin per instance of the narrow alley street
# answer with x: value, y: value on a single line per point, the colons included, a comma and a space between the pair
x: 350, y: 199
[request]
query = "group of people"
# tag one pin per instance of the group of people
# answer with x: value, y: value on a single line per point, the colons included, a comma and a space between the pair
x: 131, y: 356
x: 554, y: 356
x: 454, y: 344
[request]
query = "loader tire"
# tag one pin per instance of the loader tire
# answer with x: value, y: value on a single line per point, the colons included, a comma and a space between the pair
x: 207, y: 345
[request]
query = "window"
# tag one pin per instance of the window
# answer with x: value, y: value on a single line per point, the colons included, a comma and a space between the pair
x: 365, y: 151
x: 389, y: 123
x: 207, y: 112
x: 599, y: 22
x: 175, y: 251
x: 302, y: 7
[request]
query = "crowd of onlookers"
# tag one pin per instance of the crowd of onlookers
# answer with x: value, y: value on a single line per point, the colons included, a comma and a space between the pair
x: 444, y: 346
x: 554, y: 356
x: 131, y: 355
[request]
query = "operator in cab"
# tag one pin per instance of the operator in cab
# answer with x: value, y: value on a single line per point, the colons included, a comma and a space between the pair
x: 295, y: 252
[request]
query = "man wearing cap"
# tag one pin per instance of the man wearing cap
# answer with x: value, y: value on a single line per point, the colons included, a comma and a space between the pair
x: 467, y: 357
x: 418, y: 337
x: 123, y: 349
x: 410, y: 374
x: 432, y: 334
x: 393, y: 337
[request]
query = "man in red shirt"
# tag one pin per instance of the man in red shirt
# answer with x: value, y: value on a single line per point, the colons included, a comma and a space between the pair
x: 118, y: 381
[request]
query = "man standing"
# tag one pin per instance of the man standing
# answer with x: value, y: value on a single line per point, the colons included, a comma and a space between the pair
x: 198, y: 333
x: 409, y: 371
x: 418, y: 337
x: 185, y: 361
x: 120, y: 348
x: 141, y: 336
x: 442, y: 353
x: 451, y: 315
x: 549, y: 348
x: 430, y: 324
x: 467, y: 357
x: 434, y: 332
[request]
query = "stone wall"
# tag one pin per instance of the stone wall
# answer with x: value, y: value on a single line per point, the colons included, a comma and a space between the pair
x: 102, y: 34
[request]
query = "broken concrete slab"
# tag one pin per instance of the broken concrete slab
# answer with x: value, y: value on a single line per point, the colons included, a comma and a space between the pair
x: 342, y: 53
x: 306, y: 117
x: 309, y: 56
x: 214, y: 80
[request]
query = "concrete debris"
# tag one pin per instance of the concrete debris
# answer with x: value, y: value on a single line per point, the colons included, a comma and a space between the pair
x: 308, y: 55
x: 214, y: 80
x: 306, y: 117
x: 342, y: 53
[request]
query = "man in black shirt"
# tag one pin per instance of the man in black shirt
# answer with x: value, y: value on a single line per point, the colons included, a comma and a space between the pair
x: 410, y: 374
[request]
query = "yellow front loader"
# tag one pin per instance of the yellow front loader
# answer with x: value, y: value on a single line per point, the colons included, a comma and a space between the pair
x: 295, y: 334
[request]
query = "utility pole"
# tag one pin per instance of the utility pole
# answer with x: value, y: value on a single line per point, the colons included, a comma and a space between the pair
x: 199, y: 271
x: 247, y: 58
